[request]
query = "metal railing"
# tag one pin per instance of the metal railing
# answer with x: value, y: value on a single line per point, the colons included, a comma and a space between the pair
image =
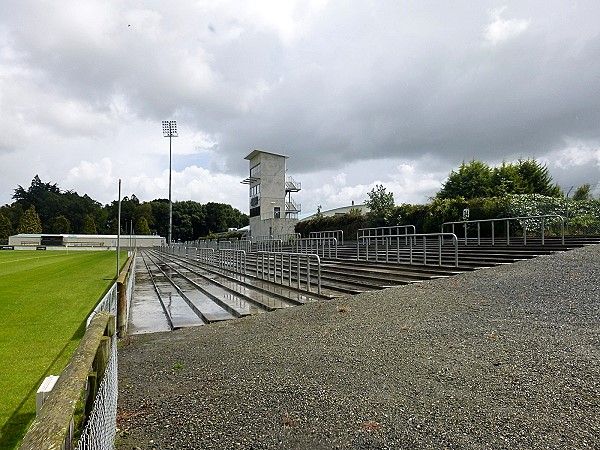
x: 223, y: 245
x: 290, y: 268
x: 206, y: 255
x: 338, y: 234
x: 242, y: 244
x: 269, y: 245
x: 234, y: 260
x: 396, y: 252
x: 386, y: 235
x: 382, y: 232
x: 326, y: 247
x: 542, y: 223
x: 289, y: 238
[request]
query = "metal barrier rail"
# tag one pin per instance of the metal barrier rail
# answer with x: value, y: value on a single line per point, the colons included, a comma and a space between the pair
x: 207, y: 243
x: 317, y: 245
x: 507, y: 220
x: 289, y: 238
x: 338, y: 234
x: 223, y: 245
x: 384, y: 234
x: 206, y: 255
x: 411, y: 246
x: 265, y: 237
x: 230, y: 259
x: 284, y: 265
x: 269, y: 245
x: 242, y: 244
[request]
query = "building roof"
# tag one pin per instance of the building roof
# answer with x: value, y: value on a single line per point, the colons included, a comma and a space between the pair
x: 92, y: 236
x: 255, y: 152
x: 341, y: 210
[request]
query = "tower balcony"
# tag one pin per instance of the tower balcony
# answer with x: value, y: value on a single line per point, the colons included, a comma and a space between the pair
x: 292, y: 185
x: 292, y: 207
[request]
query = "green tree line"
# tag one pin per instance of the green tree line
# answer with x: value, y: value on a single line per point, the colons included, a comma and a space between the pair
x: 45, y: 208
x: 511, y: 190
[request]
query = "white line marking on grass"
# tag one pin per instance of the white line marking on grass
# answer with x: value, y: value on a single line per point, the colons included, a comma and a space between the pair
x: 25, y: 259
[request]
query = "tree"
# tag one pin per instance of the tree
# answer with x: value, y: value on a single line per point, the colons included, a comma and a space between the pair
x: 89, y: 225
x: 472, y: 180
x: 583, y: 192
x: 141, y: 227
x: 478, y: 180
x: 13, y: 213
x: 60, y: 225
x: 5, y: 227
x: 380, y: 204
x: 30, y: 222
x: 536, y: 179
x: 160, y: 212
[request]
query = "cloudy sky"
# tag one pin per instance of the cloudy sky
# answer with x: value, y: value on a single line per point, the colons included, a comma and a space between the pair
x: 356, y: 93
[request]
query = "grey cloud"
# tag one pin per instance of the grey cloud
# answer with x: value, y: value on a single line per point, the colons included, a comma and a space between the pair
x: 362, y: 81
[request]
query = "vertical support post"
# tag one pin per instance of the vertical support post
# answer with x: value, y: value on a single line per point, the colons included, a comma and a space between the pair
x: 122, y: 305
x: 298, y: 270
x: 119, y: 232
x: 543, y: 231
x: 308, y: 272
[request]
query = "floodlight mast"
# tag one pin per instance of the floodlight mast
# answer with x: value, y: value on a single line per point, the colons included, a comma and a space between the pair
x: 170, y: 130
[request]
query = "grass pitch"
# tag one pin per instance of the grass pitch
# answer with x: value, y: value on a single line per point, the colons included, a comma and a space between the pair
x: 45, y: 298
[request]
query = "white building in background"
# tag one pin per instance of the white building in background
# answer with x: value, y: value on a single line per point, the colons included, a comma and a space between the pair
x: 273, y: 212
x: 82, y: 241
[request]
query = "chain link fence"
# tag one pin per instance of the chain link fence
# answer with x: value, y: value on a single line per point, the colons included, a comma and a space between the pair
x: 101, y: 427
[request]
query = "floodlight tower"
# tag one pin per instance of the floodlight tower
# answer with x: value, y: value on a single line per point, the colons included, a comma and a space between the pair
x: 170, y: 131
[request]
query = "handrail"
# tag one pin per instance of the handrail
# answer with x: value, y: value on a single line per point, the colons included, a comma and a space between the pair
x: 51, y: 427
x: 206, y: 255
x: 314, y: 244
x: 507, y: 221
x: 413, y: 238
x: 393, y: 230
x: 233, y: 260
x: 288, y: 237
x: 271, y: 245
x: 271, y: 265
x: 387, y: 234
x: 338, y: 234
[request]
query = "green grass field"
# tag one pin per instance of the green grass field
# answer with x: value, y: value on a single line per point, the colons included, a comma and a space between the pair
x: 45, y: 298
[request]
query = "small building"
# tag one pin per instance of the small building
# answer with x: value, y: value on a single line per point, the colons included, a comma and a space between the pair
x: 273, y: 212
x: 363, y: 209
x: 82, y: 241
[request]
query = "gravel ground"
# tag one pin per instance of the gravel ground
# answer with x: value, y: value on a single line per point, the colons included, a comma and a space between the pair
x: 506, y: 357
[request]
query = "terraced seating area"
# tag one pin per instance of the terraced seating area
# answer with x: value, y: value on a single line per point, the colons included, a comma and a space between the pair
x: 184, y: 286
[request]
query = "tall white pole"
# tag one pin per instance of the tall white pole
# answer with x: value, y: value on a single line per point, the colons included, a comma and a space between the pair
x: 170, y: 202
x: 119, y: 231
x: 170, y: 131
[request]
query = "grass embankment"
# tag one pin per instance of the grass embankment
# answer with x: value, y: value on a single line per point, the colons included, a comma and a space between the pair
x: 45, y: 298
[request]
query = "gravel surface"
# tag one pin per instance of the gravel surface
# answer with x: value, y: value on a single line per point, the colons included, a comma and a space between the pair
x: 506, y: 357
